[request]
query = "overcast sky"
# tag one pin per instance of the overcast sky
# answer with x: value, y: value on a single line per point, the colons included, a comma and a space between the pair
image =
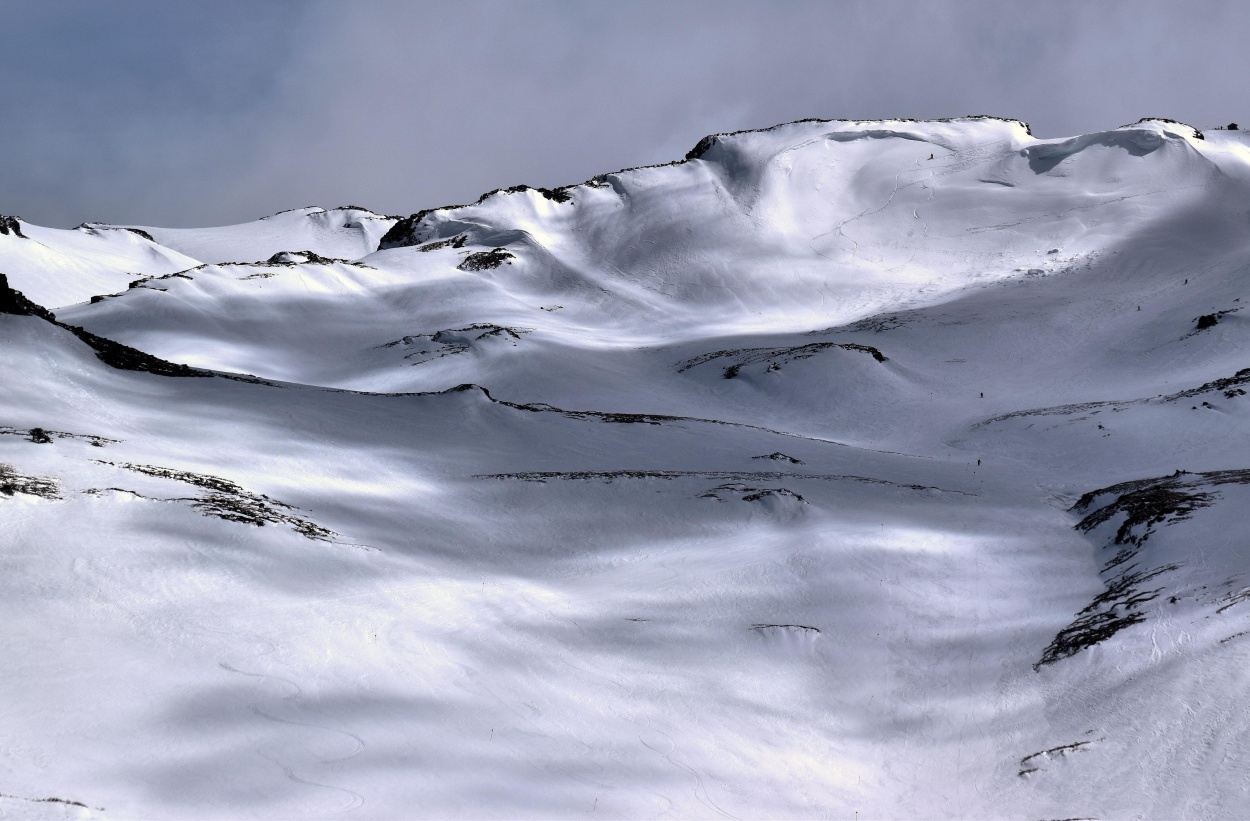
x: 208, y: 113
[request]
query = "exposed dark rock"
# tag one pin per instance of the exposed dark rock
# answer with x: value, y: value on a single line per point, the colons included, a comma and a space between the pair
x: 738, y: 475
x: 368, y: 214
x: 747, y: 493
x: 485, y: 260
x: 1143, y: 504
x: 457, y: 241
x: 404, y: 232
x: 114, y: 354
x: 140, y: 233
x: 49, y: 801
x: 13, y: 482
x: 701, y: 147
x: 293, y: 258
x: 95, y: 228
x: 614, y: 418
x: 428, y: 347
x: 555, y: 194
x: 15, y: 302
x: 45, y: 436
x: 1197, y: 134
x: 1230, y: 386
x: 124, y: 357
x: 776, y: 357
x: 1117, y: 607
x: 778, y: 456
x: 1207, y: 321
x: 231, y: 502
x: 1029, y: 764
x: 11, y: 225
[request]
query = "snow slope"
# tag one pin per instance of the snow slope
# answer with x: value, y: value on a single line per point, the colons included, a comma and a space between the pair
x: 346, y: 231
x: 889, y: 469
x: 58, y: 267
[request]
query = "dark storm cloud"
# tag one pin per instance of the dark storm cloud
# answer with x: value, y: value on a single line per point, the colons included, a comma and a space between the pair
x: 181, y: 113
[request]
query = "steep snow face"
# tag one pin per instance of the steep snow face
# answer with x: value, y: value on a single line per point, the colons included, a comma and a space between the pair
x: 891, y: 469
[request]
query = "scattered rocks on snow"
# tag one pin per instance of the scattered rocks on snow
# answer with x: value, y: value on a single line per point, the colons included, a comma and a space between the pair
x: 775, y: 357
x: 746, y: 493
x: 778, y: 456
x: 452, y: 341
x: 486, y: 260
x: 231, y: 502
x: 457, y: 241
x: 12, y: 482
x: 1139, y: 507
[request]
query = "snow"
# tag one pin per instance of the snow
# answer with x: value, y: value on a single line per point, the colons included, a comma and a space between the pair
x: 780, y: 482
x: 56, y: 267
x: 346, y: 231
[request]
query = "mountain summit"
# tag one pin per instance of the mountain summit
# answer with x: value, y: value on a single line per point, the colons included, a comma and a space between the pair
x: 891, y: 468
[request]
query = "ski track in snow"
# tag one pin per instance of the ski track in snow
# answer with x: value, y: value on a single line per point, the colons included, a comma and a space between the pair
x: 293, y: 699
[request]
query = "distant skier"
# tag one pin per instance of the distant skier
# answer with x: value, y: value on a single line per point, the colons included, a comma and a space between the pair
x: 982, y: 394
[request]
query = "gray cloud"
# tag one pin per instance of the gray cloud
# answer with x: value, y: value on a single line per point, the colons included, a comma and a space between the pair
x: 185, y: 114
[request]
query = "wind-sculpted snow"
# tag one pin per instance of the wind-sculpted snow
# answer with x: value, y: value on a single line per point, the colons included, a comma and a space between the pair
x: 890, y: 469
x: 59, y: 267
x: 347, y: 232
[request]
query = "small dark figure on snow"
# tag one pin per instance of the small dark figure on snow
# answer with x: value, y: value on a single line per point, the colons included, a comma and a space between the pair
x: 982, y: 394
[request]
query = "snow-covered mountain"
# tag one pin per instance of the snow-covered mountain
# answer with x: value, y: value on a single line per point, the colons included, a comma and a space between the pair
x: 889, y: 469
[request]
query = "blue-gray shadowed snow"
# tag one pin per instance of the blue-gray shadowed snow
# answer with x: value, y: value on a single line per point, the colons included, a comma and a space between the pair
x: 893, y: 468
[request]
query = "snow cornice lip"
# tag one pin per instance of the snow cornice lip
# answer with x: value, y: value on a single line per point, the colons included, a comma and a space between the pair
x: 406, y: 232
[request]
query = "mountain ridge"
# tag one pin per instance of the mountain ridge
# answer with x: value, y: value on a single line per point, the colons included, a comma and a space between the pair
x: 479, y: 523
